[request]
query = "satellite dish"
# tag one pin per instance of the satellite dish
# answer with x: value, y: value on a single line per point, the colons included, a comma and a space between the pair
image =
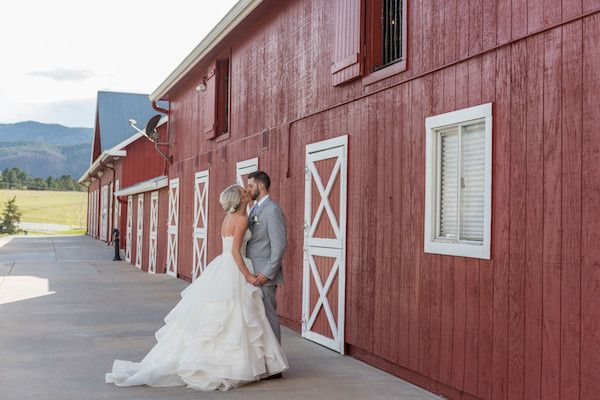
x: 151, y: 127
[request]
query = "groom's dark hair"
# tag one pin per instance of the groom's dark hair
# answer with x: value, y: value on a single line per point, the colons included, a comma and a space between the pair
x: 261, y: 176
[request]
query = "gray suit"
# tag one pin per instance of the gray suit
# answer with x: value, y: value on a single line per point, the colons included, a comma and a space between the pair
x: 265, y: 249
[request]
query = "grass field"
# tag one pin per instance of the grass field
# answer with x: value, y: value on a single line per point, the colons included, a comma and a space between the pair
x: 67, y: 208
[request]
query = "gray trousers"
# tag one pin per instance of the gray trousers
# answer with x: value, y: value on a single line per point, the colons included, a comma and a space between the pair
x: 270, y: 302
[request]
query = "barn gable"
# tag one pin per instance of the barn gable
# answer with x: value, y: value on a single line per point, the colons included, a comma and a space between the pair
x: 113, y: 112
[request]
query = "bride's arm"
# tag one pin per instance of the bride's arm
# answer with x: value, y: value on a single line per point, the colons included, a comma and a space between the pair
x: 241, y: 224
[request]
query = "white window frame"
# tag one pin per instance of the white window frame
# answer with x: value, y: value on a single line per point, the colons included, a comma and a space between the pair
x: 432, y: 125
x: 243, y: 168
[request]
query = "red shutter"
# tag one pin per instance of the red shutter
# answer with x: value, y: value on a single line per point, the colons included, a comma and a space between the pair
x: 210, y: 103
x: 347, y: 56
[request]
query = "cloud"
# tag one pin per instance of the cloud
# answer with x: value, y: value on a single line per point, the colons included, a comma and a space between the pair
x: 71, y: 112
x: 65, y: 74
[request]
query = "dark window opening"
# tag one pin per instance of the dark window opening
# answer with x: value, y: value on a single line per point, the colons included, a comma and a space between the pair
x: 391, y: 31
x: 223, y: 97
x: 385, y: 37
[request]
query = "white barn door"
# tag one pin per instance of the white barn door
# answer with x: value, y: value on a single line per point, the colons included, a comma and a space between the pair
x: 129, y: 234
x: 140, y: 231
x: 117, y: 208
x: 104, y: 213
x: 98, y: 212
x: 153, y: 233
x: 110, y: 212
x: 92, y: 196
x: 172, y: 227
x: 95, y: 214
x: 91, y: 211
x: 324, y: 279
x: 200, y: 222
x: 89, y: 214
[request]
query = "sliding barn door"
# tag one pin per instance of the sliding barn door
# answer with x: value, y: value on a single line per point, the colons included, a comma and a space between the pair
x: 153, y: 233
x: 109, y: 212
x: 140, y: 231
x: 92, y: 211
x: 89, y: 214
x: 95, y: 208
x: 323, y: 288
x: 97, y: 214
x: 117, y: 208
x: 200, y: 222
x: 173, y: 227
x: 129, y: 236
x: 104, y: 213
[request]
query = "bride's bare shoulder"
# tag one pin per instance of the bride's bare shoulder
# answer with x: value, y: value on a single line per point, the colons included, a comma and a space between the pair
x: 243, y: 219
x: 233, y: 223
x: 239, y: 220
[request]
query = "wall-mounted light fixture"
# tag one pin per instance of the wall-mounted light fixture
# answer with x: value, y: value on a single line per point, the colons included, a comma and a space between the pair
x: 201, y: 86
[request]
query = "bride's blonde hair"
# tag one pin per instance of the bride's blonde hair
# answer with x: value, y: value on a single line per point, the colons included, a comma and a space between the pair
x: 231, y: 198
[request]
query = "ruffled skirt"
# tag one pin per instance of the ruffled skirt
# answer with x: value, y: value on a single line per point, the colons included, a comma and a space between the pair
x: 216, y: 337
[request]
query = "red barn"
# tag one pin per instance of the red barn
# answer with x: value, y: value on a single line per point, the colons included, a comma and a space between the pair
x: 438, y: 166
x: 125, y: 165
x: 143, y: 198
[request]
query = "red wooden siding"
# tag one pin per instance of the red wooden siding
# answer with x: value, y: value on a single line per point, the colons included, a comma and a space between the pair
x: 590, y: 212
x: 96, y: 149
x: 142, y: 162
x: 523, y: 325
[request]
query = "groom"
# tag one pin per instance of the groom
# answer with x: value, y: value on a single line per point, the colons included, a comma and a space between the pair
x: 268, y: 242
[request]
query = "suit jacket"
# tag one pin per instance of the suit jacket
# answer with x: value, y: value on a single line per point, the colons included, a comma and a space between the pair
x: 268, y: 242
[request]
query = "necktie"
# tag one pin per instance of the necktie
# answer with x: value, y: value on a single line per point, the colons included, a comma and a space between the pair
x: 254, y: 208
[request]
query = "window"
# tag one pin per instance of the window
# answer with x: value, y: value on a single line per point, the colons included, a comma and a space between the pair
x: 458, y: 182
x: 386, y: 23
x: 223, y: 97
x: 385, y: 39
x: 369, y: 40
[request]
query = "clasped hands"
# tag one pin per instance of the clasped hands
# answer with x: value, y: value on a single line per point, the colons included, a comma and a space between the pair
x: 256, y: 280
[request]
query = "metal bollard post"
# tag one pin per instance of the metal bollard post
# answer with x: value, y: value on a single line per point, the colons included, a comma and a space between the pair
x: 116, y: 236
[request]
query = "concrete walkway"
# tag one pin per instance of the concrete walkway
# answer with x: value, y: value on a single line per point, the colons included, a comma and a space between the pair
x: 67, y: 310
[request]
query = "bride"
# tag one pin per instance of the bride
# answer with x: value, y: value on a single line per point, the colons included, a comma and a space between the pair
x: 217, y: 336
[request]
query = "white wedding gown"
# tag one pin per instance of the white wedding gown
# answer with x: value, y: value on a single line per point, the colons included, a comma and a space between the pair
x: 216, y: 337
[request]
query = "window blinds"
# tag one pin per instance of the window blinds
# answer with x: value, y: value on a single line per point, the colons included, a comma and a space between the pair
x: 472, y: 185
x: 461, y: 169
x: 448, y: 207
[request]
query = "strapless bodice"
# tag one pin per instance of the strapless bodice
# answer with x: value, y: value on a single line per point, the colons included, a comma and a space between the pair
x: 228, y: 243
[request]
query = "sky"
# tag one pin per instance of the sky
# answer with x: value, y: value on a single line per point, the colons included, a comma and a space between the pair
x: 55, y: 55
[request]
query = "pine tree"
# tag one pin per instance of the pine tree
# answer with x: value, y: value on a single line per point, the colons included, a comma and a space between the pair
x: 11, y: 217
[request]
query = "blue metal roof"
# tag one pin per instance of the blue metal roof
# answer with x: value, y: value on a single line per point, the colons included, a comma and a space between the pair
x: 114, y: 111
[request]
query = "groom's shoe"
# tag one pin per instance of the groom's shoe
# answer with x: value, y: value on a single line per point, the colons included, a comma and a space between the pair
x: 275, y: 376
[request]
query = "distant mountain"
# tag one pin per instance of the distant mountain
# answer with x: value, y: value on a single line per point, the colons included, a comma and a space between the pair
x: 44, y: 150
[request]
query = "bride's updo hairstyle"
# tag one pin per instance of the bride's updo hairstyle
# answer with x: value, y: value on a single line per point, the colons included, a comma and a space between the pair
x: 230, y: 198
